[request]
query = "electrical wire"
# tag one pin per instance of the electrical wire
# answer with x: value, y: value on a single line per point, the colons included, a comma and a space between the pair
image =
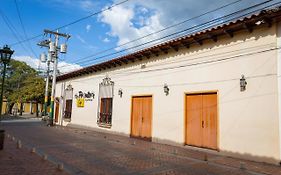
x: 73, y: 22
x: 208, y: 62
x: 193, y: 27
x: 24, y: 31
x: 159, y: 31
x: 13, y: 30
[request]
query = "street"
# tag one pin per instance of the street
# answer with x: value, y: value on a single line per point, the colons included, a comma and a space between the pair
x: 85, y: 151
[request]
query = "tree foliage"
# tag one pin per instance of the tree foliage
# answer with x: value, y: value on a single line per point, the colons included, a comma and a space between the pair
x: 22, y: 83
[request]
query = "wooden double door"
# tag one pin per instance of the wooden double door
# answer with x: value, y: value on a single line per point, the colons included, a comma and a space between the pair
x: 57, y: 109
x: 141, y: 117
x: 201, y: 120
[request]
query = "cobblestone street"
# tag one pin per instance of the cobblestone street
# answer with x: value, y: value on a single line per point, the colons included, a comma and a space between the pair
x: 83, y: 151
x: 16, y: 160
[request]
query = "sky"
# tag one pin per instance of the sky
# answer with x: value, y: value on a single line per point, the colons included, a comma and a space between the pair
x: 106, y: 29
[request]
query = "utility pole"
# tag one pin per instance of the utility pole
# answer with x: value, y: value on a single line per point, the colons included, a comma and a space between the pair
x: 54, y: 48
x: 46, y: 89
x: 53, y: 92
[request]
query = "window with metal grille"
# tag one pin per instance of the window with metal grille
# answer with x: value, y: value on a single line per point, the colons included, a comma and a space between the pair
x: 105, y: 103
x: 68, y: 102
x: 68, y: 109
x: 105, y: 111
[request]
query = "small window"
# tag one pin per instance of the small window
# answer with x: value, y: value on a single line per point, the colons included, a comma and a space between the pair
x: 105, y: 103
x: 105, y: 111
x: 68, y: 102
x: 68, y: 109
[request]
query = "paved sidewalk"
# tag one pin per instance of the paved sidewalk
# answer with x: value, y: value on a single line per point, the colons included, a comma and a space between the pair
x: 14, y: 161
x: 8, y: 117
x: 84, y: 151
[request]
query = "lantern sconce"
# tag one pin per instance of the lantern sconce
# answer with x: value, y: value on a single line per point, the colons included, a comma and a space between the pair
x: 166, y: 89
x: 243, y: 83
x: 120, y: 93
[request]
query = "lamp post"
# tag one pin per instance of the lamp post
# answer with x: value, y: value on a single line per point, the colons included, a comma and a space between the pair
x: 5, y: 55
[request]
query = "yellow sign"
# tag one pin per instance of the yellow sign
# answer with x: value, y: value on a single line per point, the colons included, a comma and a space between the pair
x: 80, y: 102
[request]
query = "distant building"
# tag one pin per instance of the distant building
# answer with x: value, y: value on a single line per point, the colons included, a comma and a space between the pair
x: 218, y: 89
x: 4, y: 106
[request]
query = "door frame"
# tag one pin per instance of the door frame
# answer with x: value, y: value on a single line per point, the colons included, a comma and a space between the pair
x: 185, y: 116
x: 131, y: 117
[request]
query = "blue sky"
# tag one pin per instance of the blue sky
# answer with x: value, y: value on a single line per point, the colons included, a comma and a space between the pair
x: 108, y: 29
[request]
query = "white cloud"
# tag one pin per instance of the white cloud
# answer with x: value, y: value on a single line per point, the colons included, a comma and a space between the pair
x: 63, y: 66
x: 138, y: 18
x: 106, y: 40
x: 85, y: 43
x: 88, y: 27
x: 81, y: 39
x: 87, y: 4
x: 120, y: 19
x: 32, y: 62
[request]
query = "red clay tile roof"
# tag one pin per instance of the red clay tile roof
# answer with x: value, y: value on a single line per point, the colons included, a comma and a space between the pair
x: 262, y: 18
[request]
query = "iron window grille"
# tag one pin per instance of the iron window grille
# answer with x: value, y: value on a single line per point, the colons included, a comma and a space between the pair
x: 68, y: 102
x: 104, y: 118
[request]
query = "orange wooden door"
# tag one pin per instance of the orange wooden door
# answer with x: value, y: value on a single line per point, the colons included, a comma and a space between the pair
x: 136, y: 117
x: 201, y: 120
x: 141, y: 117
x: 146, y: 117
x: 194, y: 120
x: 57, y: 112
x: 210, y: 121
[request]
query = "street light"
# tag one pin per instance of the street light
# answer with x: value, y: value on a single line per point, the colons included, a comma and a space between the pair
x: 5, y: 55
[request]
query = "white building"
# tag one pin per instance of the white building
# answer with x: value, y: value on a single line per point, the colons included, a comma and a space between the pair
x: 218, y: 89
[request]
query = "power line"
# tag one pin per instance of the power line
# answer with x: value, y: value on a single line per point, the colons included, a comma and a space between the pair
x: 208, y: 62
x: 23, y: 28
x: 197, y: 27
x: 12, y: 29
x: 159, y: 31
x: 73, y: 22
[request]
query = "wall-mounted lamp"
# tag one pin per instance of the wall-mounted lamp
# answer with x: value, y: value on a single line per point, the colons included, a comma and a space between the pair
x: 243, y: 83
x: 120, y: 93
x: 166, y: 89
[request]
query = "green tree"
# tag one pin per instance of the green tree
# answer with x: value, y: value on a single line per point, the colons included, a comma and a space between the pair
x: 33, y: 90
x: 22, y: 84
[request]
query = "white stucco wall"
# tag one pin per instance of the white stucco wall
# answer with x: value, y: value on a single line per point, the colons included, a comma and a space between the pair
x: 248, y: 122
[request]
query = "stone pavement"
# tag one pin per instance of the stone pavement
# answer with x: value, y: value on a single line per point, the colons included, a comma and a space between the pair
x: 14, y: 161
x: 84, y: 151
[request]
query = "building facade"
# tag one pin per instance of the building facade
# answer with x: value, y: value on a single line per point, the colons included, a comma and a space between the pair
x: 218, y: 89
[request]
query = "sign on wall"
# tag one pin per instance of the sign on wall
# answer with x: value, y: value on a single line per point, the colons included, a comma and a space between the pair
x: 81, y: 97
x: 80, y: 102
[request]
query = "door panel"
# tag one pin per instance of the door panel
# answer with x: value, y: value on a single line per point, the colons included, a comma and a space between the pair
x: 146, y: 117
x: 141, y: 117
x: 210, y: 118
x: 136, y: 117
x: 57, y: 112
x: 201, y: 120
x: 193, y: 120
